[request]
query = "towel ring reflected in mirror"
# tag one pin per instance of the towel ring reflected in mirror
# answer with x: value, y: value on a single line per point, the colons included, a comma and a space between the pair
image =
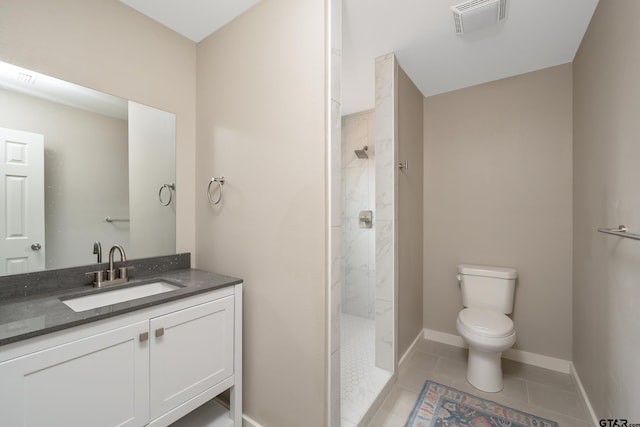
x: 171, y: 187
x: 220, y: 181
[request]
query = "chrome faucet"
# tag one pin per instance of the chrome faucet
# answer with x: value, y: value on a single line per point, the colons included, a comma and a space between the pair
x: 111, y: 273
x: 112, y: 277
x: 97, y: 250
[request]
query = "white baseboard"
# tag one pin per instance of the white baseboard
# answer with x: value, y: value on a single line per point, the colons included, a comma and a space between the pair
x: 249, y: 422
x: 592, y: 412
x: 413, y: 344
x: 547, y: 362
x: 443, y: 337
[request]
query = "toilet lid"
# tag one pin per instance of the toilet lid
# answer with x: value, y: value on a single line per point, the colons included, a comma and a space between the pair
x: 488, y: 323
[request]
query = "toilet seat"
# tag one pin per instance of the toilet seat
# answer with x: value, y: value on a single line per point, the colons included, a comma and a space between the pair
x: 487, y: 323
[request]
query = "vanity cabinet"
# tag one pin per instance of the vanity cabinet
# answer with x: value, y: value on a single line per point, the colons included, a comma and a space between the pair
x: 150, y: 367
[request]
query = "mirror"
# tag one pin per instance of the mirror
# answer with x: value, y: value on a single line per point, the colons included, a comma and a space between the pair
x: 79, y: 166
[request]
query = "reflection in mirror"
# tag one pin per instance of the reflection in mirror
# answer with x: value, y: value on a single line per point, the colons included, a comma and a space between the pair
x: 78, y: 167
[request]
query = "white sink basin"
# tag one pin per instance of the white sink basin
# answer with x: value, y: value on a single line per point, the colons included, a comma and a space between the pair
x: 101, y: 299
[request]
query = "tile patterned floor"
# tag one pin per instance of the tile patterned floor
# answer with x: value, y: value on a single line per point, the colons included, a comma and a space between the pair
x: 539, y: 391
x: 360, y: 380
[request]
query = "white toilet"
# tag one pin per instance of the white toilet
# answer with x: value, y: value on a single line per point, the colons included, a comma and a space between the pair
x: 487, y: 294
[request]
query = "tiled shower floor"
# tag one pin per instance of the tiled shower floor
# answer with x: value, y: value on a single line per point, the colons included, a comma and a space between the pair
x: 360, y: 379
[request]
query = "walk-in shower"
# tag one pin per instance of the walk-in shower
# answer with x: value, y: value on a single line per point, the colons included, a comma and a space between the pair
x: 368, y: 344
x: 361, y: 379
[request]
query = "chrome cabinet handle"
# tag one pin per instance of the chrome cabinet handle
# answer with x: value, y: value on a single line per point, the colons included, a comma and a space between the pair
x: 36, y: 246
x: 144, y: 336
x: 159, y: 332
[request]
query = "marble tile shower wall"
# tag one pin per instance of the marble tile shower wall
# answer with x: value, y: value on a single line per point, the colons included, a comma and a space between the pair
x: 358, y: 189
x: 386, y: 191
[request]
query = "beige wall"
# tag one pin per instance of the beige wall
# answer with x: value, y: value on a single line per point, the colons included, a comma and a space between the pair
x: 410, y: 212
x: 498, y: 191
x: 261, y: 123
x: 105, y: 45
x: 606, y: 288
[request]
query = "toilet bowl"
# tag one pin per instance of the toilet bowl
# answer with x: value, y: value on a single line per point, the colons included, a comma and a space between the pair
x: 488, y: 333
x: 487, y: 294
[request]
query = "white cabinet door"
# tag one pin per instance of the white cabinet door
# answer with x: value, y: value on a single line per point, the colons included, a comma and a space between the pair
x: 191, y: 351
x: 102, y: 380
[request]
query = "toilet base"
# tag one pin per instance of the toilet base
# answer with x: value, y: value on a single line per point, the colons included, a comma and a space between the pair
x: 484, y: 370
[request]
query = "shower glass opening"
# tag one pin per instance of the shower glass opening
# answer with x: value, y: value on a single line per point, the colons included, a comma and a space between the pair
x: 361, y: 378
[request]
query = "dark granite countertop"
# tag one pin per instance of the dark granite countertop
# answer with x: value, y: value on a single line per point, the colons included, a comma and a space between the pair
x: 28, y: 316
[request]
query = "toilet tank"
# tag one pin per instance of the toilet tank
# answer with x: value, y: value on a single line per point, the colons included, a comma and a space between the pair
x: 487, y: 287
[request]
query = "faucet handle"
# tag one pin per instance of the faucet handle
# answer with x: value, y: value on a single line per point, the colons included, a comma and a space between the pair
x: 97, y: 276
x: 124, y: 271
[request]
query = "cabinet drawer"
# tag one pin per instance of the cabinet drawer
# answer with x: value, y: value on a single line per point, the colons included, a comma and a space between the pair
x: 191, y: 351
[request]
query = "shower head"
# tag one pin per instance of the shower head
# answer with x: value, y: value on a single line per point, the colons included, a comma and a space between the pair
x: 362, y: 154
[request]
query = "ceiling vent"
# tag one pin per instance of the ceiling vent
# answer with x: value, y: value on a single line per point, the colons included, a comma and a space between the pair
x: 476, y: 14
x: 26, y: 78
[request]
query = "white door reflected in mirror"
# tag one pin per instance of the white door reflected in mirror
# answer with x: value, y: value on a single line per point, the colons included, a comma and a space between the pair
x: 22, y: 201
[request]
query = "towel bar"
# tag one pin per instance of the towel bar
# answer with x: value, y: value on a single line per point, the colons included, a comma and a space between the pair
x: 620, y: 231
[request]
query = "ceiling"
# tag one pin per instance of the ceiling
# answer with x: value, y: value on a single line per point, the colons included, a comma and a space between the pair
x: 194, y: 19
x: 536, y: 34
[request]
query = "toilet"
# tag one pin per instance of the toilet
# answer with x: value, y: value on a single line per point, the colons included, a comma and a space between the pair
x: 487, y: 295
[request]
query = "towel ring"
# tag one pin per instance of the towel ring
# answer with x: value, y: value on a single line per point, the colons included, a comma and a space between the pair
x: 171, y: 187
x: 220, y: 182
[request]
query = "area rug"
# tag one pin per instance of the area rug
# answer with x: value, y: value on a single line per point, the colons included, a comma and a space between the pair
x: 443, y: 406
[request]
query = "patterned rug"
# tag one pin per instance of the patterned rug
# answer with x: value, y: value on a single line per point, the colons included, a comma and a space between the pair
x: 443, y: 406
